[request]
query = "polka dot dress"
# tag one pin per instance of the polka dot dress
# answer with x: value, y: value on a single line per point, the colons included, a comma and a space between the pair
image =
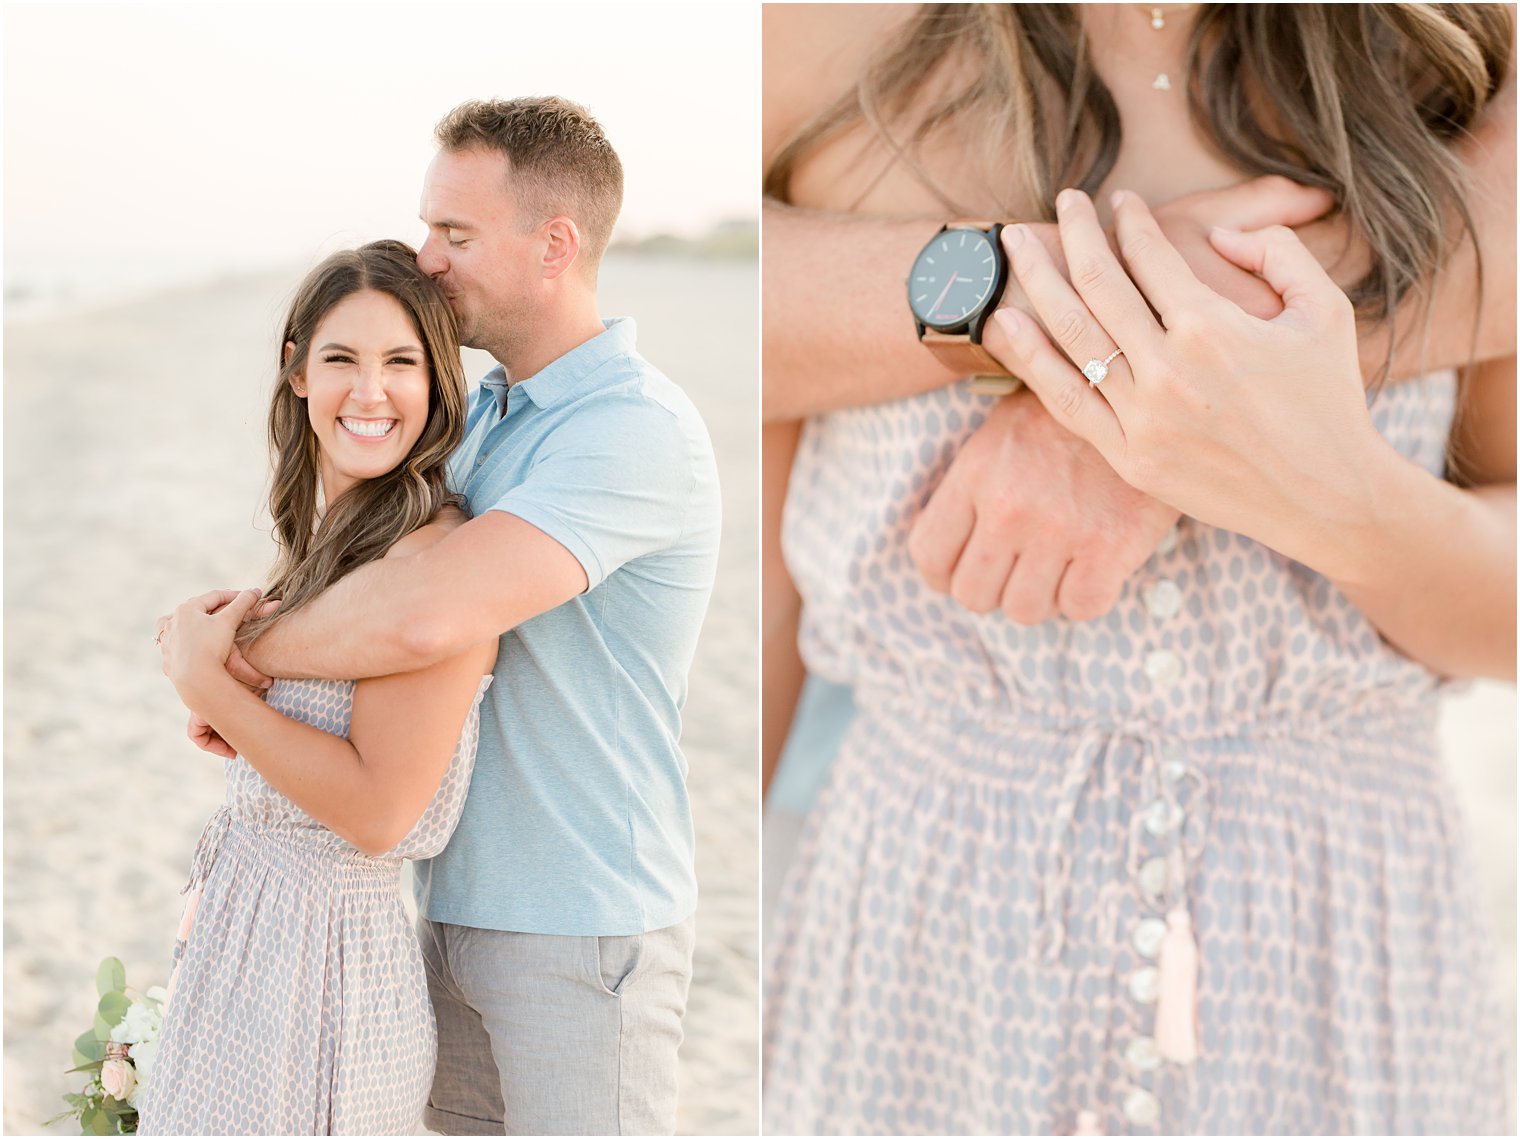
x: 1190, y: 868
x: 298, y: 1004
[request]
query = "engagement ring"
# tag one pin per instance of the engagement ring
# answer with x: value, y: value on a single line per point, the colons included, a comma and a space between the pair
x: 1096, y: 370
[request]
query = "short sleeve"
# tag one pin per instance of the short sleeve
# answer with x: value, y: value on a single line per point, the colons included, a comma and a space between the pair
x: 612, y: 483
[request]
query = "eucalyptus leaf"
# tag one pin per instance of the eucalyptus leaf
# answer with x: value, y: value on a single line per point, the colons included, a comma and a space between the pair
x: 111, y: 977
x: 89, y: 1047
x: 113, y: 1006
x: 95, y: 1122
x: 102, y: 1032
x: 91, y: 1066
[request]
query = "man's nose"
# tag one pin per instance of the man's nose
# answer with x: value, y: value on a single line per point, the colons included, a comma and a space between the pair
x: 429, y: 260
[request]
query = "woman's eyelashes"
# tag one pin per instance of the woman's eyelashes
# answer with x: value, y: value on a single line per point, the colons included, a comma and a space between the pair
x: 339, y: 358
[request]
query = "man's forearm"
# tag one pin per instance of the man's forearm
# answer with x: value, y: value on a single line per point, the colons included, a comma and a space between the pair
x: 837, y: 331
x: 365, y: 625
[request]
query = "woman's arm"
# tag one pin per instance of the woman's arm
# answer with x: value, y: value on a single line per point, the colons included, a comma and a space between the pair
x: 1434, y: 568
x: 370, y: 788
x: 782, y: 672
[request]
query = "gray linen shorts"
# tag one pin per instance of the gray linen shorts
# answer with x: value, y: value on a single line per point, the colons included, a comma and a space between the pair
x: 549, y: 1035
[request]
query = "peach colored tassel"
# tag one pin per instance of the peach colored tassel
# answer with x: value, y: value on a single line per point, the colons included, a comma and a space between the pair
x: 1088, y: 1124
x: 1177, y: 1006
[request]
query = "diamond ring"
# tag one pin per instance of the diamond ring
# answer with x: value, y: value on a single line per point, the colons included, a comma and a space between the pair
x: 1096, y: 370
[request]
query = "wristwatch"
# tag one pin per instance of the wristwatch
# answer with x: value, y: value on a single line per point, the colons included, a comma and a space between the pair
x: 954, y: 286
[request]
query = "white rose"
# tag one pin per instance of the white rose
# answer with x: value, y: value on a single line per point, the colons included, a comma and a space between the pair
x: 158, y: 994
x: 141, y: 1023
x: 116, y: 1079
x: 143, y: 1055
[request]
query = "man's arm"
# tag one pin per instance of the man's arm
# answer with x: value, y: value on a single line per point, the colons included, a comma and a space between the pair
x: 404, y: 614
x: 837, y: 330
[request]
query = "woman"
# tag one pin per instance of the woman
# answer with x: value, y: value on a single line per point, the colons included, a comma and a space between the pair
x: 297, y: 1002
x: 1190, y: 866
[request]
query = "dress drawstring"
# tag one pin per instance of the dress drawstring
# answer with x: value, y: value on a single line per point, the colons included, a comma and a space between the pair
x: 206, y: 849
x: 1164, y: 819
x: 1055, y: 880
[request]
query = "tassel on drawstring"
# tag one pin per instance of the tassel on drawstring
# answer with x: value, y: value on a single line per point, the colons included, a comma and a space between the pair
x: 1089, y: 1124
x: 1177, y: 1006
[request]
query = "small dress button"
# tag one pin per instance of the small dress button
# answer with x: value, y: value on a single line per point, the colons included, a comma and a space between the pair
x: 1148, y: 936
x: 1163, y: 668
x: 1163, y: 598
x: 1161, y: 817
x: 1143, y: 1055
x: 1145, y: 984
x: 1168, y: 543
x: 1153, y: 876
x: 1141, y: 1108
x: 1174, y: 769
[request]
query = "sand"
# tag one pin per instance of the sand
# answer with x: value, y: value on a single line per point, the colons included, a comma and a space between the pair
x: 134, y: 478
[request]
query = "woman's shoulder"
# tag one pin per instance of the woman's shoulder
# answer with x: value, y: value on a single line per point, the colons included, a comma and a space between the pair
x: 448, y: 519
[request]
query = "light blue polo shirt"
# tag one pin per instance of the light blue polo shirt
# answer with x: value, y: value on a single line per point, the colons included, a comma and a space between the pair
x: 578, y: 821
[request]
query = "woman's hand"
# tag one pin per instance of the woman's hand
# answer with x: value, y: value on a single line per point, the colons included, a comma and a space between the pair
x: 1256, y: 426
x: 196, y: 640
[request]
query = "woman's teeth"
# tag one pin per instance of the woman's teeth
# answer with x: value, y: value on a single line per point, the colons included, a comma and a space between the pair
x: 370, y: 428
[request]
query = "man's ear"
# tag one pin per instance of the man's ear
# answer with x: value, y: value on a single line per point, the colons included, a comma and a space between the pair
x: 298, y: 381
x: 562, y: 245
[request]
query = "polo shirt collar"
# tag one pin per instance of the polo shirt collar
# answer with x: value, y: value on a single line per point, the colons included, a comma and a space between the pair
x: 565, y: 377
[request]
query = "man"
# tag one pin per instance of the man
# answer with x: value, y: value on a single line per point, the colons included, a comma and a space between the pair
x: 557, y: 926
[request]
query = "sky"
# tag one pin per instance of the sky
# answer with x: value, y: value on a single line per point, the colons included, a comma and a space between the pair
x: 166, y: 141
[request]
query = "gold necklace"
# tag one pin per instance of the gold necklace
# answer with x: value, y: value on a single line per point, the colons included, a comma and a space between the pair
x: 1158, y: 12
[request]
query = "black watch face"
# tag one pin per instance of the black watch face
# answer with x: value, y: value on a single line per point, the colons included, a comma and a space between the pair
x: 953, y: 278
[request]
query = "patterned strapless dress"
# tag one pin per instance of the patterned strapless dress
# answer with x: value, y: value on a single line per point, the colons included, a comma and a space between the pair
x: 1024, y: 824
x: 298, y: 1004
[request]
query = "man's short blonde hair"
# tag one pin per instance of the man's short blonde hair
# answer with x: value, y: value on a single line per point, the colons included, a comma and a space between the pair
x: 559, y: 159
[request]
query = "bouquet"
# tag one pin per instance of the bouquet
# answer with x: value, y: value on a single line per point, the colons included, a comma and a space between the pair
x: 117, y: 1052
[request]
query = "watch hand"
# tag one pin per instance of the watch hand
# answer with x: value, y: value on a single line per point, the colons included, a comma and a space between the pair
x: 935, y: 306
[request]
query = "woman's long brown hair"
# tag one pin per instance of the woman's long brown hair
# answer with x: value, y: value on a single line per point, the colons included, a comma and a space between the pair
x: 361, y: 524
x: 1362, y: 100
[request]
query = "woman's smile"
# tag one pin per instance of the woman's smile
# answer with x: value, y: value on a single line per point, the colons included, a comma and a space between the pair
x: 367, y: 430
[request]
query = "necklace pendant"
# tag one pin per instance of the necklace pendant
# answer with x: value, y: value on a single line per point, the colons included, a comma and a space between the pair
x: 1162, y: 83
x: 1158, y: 18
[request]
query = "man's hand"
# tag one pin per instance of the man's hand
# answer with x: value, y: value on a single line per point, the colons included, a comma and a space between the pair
x: 1030, y: 519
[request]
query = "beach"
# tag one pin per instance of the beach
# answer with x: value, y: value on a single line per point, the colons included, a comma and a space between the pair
x: 135, y: 475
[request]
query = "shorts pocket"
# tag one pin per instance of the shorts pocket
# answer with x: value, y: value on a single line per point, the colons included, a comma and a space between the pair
x: 617, y: 960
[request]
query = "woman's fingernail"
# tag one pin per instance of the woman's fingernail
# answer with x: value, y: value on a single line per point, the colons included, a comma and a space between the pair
x: 1013, y: 237
x: 1065, y: 199
x: 1225, y: 231
x: 1117, y: 198
x: 1009, y: 319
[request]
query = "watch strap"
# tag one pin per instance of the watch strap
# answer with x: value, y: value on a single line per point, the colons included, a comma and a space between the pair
x: 957, y: 351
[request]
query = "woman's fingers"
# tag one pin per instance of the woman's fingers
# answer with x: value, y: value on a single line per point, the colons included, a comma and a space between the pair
x: 1155, y: 265
x: 1071, y: 324
x: 1101, y: 282
x: 1071, y: 401
x: 236, y: 611
x: 1280, y: 258
x: 213, y: 600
